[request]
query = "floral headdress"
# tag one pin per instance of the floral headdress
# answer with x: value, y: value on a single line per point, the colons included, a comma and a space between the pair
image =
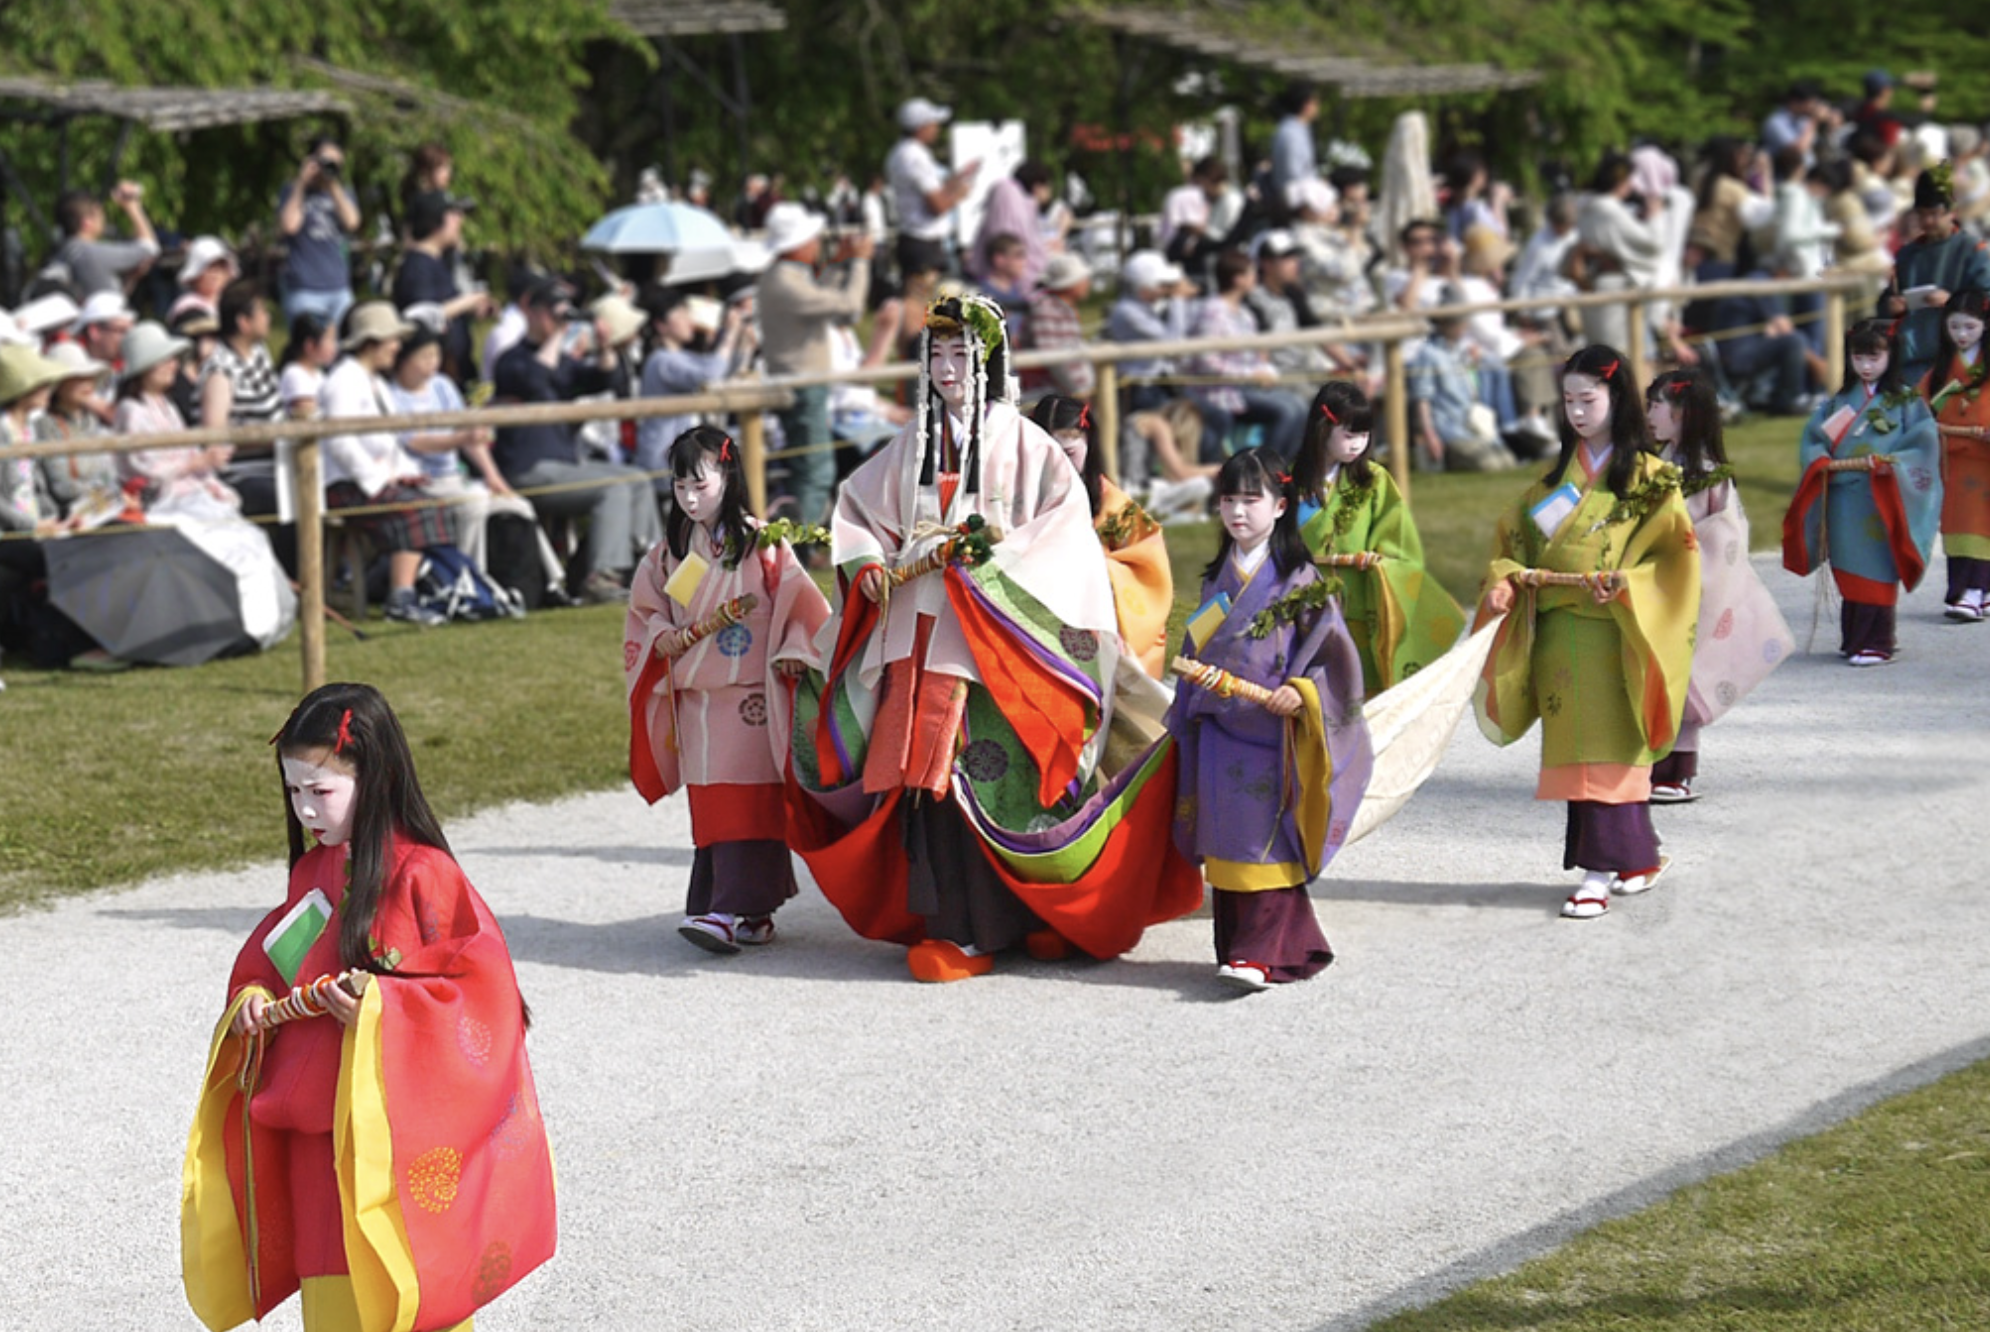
x: 977, y: 321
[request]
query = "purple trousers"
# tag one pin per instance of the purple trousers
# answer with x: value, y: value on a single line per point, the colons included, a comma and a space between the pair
x: 950, y: 882
x: 740, y: 878
x: 1275, y: 929
x: 1967, y: 575
x: 1617, y: 838
x: 1864, y: 627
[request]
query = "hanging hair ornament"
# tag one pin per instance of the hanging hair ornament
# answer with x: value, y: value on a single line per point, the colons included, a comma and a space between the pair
x: 1608, y: 371
x: 977, y: 321
x: 725, y: 449
x: 345, y: 733
x: 1328, y: 412
x: 1284, y: 478
x: 1085, y: 417
x: 1679, y: 386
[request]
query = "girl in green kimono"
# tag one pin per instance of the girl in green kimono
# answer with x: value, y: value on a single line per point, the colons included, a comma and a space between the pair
x: 1598, y: 573
x: 1353, y: 518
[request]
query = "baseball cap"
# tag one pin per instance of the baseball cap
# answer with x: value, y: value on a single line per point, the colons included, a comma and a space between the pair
x: 45, y: 314
x: 1149, y: 268
x: 1877, y: 80
x: 105, y: 307
x: 548, y: 294
x: 1275, y: 244
x: 919, y: 113
x: 1064, y: 270
x: 202, y: 254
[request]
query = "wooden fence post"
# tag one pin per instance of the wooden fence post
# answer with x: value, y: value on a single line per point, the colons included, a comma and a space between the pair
x: 753, y: 439
x: 1105, y: 398
x: 1834, y: 338
x: 1398, y: 393
x: 1634, y: 337
x: 311, y: 563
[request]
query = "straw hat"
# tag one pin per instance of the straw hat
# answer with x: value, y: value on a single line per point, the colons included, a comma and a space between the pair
x: 23, y: 370
x: 146, y: 346
x: 621, y: 319
x: 373, y: 321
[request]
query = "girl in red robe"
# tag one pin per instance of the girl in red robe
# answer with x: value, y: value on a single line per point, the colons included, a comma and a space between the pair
x: 368, y: 1133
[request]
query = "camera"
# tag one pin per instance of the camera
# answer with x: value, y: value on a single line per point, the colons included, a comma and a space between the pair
x: 328, y: 166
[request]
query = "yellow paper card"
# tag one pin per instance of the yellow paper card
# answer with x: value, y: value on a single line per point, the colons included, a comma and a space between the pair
x: 1207, y: 620
x: 683, y: 584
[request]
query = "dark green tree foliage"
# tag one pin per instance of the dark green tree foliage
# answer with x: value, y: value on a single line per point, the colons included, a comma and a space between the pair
x: 498, y: 82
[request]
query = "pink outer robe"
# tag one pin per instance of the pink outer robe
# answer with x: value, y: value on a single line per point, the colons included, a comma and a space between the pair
x: 720, y: 714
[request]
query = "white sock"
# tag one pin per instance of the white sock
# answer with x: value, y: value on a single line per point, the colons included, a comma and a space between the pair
x: 1596, y: 882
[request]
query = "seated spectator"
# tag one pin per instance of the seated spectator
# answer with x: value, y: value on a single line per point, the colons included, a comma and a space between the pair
x: 100, y: 331
x: 1430, y: 259
x: 1252, y: 395
x: 1014, y: 207
x: 510, y: 325
x: 617, y: 500
x: 1053, y: 326
x: 614, y: 317
x: 427, y: 276
x: 1278, y: 304
x: 84, y: 485
x: 188, y: 477
x: 1619, y: 249
x: 1473, y: 198
x: 456, y: 464
x: 370, y: 468
x: 1453, y: 429
x: 1753, y: 336
x: 95, y: 265
x: 315, y: 214
x: 238, y: 386
x: 1538, y: 273
x: 1498, y: 345
x: 1006, y: 281
x: 47, y: 319
x: 686, y: 360
x: 1154, y: 306
x: 1190, y: 229
x: 208, y: 268
x: 202, y: 332
x: 27, y: 620
x: 312, y: 350
x: 858, y: 413
x: 1333, y: 257
x: 1859, y: 249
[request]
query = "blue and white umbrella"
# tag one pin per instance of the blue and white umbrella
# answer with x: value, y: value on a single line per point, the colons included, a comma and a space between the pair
x: 699, y: 246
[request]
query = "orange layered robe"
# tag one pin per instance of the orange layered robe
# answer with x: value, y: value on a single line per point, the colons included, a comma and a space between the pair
x: 1143, y: 583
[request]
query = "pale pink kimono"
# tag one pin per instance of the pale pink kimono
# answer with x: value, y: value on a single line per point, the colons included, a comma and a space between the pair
x: 175, y: 475
x: 1742, y: 636
x: 719, y: 715
x: 1029, y: 493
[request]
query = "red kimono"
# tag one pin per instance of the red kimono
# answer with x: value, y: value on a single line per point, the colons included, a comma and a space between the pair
x: 406, y: 1150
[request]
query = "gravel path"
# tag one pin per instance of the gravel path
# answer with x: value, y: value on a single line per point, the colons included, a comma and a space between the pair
x: 803, y: 1138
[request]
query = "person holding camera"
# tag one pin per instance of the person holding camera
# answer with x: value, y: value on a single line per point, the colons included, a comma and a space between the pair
x: 95, y: 264
x: 316, y: 213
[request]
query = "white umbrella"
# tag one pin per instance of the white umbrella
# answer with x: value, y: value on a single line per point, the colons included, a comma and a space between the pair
x: 698, y: 243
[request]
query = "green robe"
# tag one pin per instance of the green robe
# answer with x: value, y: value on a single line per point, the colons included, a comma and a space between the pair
x: 1401, y: 618
x: 1607, y: 682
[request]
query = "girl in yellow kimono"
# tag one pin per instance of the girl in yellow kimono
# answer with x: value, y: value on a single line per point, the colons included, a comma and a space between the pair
x: 1954, y: 390
x: 1143, y: 584
x: 1598, y: 572
x: 1353, y: 518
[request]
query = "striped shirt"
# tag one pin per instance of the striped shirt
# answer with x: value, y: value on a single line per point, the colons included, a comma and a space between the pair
x: 257, y: 397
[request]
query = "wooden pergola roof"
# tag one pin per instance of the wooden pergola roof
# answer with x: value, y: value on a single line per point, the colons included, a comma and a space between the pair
x: 170, y: 109
x: 692, y: 18
x: 1352, y: 77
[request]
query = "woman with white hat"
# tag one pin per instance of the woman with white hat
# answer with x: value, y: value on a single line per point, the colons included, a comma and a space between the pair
x: 72, y: 415
x: 27, y: 509
x: 210, y: 266
x: 183, y: 475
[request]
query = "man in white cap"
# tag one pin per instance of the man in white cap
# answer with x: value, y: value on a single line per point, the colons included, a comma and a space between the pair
x: 100, y: 330
x: 797, y: 311
x: 209, y: 266
x: 921, y: 192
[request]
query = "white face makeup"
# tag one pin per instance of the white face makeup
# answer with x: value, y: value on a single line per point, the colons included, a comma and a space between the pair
x: 698, y: 496
x: 1074, y: 446
x: 321, y: 792
x: 1344, y: 446
x: 949, y: 368
x: 1965, y: 331
x: 1869, y: 366
x: 1249, y: 518
x: 1586, y: 400
x: 1664, y: 418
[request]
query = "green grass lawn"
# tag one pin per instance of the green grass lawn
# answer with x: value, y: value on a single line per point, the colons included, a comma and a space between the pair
x: 1880, y: 1223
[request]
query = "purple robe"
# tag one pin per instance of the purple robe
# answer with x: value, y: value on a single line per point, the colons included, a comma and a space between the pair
x: 1240, y: 809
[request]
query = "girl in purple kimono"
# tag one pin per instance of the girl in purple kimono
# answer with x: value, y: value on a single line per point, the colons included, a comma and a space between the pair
x: 1267, y: 789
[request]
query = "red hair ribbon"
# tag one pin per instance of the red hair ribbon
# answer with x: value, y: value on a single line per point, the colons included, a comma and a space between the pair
x: 1284, y: 478
x: 1679, y: 386
x: 345, y: 733
x: 725, y: 449
x: 1328, y: 412
x: 1085, y: 417
x: 1608, y: 370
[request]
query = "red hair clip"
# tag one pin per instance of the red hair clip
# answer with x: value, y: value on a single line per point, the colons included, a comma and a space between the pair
x: 1284, y: 478
x: 1328, y: 412
x: 1608, y: 370
x: 1679, y: 386
x: 345, y: 733
x: 1085, y: 417
x: 725, y: 449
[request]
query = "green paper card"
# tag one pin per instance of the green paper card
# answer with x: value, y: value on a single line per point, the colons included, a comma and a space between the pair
x: 291, y: 938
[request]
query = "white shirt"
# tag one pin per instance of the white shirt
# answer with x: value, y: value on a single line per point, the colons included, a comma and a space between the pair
x: 508, y: 329
x: 372, y: 461
x: 913, y: 175
x: 298, y: 382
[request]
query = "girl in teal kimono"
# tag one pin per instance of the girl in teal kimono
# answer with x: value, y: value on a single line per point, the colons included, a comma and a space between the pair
x: 1355, y: 521
x: 1870, y: 498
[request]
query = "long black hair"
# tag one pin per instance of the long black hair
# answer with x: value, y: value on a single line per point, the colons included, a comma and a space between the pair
x: 1056, y: 413
x: 305, y: 329
x: 1337, y: 404
x: 1973, y: 302
x: 1701, y: 445
x: 354, y: 723
x: 1869, y: 336
x: 1630, y: 432
x: 1259, y: 471
x: 709, y: 446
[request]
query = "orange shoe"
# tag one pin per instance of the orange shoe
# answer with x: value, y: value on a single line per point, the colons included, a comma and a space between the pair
x: 1047, y: 945
x: 936, y: 961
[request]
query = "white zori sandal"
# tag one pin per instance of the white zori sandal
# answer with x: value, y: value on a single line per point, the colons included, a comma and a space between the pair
x: 1591, y: 900
x: 1639, y: 883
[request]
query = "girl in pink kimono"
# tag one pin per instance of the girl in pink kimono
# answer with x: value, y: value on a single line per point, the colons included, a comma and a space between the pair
x: 1741, y: 636
x: 711, y: 692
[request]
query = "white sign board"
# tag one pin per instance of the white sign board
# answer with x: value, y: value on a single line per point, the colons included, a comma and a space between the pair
x: 999, y: 149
